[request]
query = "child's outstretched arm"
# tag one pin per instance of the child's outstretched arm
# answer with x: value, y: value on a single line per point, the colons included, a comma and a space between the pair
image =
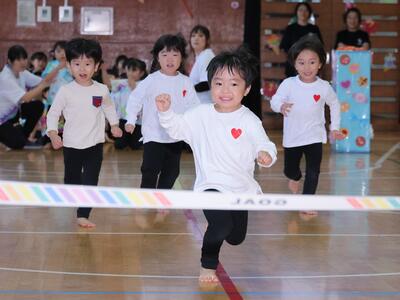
x: 135, y: 104
x: 111, y: 115
x: 334, y: 108
x: 266, y: 152
x: 55, y: 139
x: 175, y: 124
x: 264, y: 159
x: 280, y: 101
x: 53, y: 117
x: 163, y: 102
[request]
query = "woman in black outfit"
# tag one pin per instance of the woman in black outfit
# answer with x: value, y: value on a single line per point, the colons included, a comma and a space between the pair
x: 295, y: 31
x: 352, y: 36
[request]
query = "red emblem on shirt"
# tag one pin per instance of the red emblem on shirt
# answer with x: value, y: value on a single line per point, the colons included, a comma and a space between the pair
x: 184, y: 93
x: 236, y: 132
x: 96, y: 100
x: 316, y: 98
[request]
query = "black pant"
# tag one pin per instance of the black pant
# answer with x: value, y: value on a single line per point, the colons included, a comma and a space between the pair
x: 313, y: 154
x: 223, y: 225
x: 82, y: 166
x: 160, y: 166
x: 12, y: 134
x: 127, y: 139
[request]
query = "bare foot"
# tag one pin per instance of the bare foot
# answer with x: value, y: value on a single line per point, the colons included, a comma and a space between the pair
x: 85, y: 223
x: 208, y: 276
x: 161, y: 215
x: 294, y: 186
x: 142, y: 221
x: 308, y: 215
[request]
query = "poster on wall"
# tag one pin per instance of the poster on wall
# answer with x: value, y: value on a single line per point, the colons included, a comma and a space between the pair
x: 97, y: 20
x: 44, y: 14
x: 26, y: 13
x: 65, y: 14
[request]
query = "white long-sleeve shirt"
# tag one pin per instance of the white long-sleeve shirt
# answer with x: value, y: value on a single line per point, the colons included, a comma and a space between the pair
x: 305, y: 123
x: 84, y: 109
x: 183, y: 97
x: 199, y: 73
x: 12, y: 89
x: 225, y: 146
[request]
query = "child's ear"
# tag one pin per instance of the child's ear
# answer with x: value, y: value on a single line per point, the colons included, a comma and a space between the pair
x: 69, y: 67
x: 247, y: 90
x: 96, y: 67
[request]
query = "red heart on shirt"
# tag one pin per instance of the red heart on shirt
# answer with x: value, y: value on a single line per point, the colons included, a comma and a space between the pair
x: 184, y: 93
x: 316, y: 97
x: 236, y: 132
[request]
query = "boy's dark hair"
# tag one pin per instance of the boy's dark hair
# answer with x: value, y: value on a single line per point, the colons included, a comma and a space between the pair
x: 39, y: 56
x: 308, y: 42
x: 134, y: 63
x: 83, y: 47
x: 240, y: 60
x: 355, y: 10
x: 171, y: 42
x: 204, y: 30
x: 16, y: 52
x: 307, y: 5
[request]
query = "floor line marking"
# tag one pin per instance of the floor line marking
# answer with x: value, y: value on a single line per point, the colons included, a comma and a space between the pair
x: 394, y: 235
x: 146, y: 276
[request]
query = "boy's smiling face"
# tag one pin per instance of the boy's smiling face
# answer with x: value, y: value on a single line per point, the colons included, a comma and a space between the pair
x: 227, y: 90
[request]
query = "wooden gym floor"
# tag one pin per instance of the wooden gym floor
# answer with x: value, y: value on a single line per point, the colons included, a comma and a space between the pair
x: 135, y: 254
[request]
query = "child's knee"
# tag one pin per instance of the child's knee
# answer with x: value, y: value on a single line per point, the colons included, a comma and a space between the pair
x: 294, y: 175
x: 236, y: 240
x: 218, y: 235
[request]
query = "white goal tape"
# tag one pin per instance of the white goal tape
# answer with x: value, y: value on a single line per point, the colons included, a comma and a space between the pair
x: 59, y: 195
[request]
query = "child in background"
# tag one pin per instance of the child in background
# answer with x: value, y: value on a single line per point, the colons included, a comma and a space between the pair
x: 84, y: 103
x: 301, y: 100
x: 226, y: 138
x: 135, y: 70
x: 38, y: 63
x: 161, y: 153
x: 118, y: 67
x: 63, y: 76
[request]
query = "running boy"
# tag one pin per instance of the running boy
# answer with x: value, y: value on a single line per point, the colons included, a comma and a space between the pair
x: 84, y: 103
x: 226, y: 139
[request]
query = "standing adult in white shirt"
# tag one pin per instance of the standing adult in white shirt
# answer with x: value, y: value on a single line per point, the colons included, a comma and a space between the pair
x: 200, y: 45
x: 18, y: 87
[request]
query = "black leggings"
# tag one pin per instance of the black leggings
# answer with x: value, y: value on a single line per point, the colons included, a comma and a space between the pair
x: 160, y: 166
x: 127, y: 139
x: 223, y: 225
x: 313, y: 154
x: 82, y: 166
